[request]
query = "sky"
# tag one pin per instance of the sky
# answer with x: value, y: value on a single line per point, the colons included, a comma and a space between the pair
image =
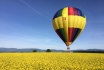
x: 28, y: 24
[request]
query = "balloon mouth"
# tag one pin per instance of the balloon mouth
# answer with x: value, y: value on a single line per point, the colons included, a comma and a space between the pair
x: 68, y: 43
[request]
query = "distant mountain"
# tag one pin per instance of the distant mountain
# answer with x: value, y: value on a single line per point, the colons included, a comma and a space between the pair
x: 40, y: 50
x: 26, y: 50
x: 90, y: 50
x: 95, y: 49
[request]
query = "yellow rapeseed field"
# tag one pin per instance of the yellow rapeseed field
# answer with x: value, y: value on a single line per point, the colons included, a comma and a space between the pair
x: 51, y: 61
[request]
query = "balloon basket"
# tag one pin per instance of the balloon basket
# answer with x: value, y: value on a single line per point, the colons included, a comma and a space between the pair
x: 68, y: 49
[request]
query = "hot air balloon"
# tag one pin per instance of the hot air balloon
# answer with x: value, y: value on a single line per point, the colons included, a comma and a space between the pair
x: 68, y: 23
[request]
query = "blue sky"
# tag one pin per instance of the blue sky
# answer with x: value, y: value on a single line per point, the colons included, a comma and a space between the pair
x: 28, y: 24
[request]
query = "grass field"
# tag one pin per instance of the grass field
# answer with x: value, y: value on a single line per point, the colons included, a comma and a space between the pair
x: 51, y: 61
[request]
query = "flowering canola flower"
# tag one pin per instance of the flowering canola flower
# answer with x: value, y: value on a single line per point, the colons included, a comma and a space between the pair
x: 51, y: 61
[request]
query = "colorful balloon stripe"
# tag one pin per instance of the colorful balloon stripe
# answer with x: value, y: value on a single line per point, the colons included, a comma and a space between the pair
x: 72, y: 34
x: 71, y: 11
x: 61, y: 34
x: 69, y: 23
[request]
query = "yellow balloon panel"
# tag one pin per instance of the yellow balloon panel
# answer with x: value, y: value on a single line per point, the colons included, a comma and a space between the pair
x: 65, y: 21
x: 83, y: 23
x: 70, y: 21
x: 76, y: 22
x: 55, y: 24
x: 60, y: 22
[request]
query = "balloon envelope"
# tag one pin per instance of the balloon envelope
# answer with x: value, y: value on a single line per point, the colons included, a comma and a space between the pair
x: 68, y: 23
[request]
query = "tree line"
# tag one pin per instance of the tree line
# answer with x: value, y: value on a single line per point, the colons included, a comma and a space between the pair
x: 89, y: 51
x: 48, y: 50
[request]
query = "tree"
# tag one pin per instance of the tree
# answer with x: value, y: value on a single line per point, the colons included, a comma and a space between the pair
x: 48, y: 50
x: 34, y: 50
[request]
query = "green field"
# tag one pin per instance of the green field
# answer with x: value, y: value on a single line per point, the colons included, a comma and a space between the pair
x: 51, y: 61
